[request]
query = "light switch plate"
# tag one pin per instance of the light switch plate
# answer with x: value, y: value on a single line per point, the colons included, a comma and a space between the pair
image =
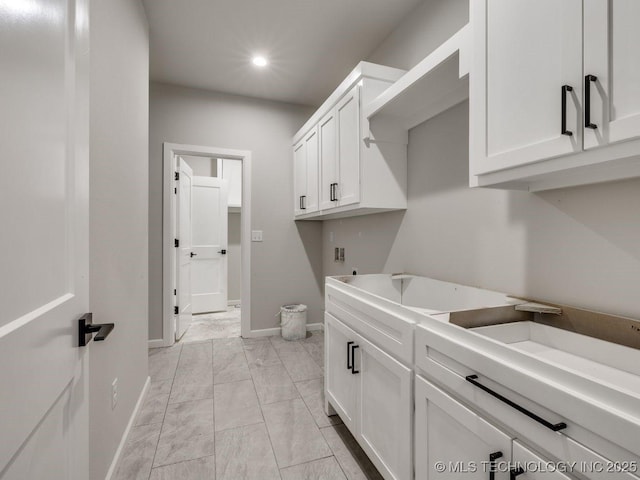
x: 256, y: 235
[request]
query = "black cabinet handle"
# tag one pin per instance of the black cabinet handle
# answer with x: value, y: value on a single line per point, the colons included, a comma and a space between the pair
x: 587, y: 101
x: 86, y: 329
x: 333, y: 192
x: 349, y: 366
x: 515, y: 472
x: 303, y: 202
x: 353, y: 359
x: 551, y: 426
x: 565, y: 90
x: 492, y: 464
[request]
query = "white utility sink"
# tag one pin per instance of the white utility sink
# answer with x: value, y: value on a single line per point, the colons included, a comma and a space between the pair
x: 607, y: 363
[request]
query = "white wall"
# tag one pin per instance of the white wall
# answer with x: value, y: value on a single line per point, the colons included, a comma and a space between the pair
x: 118, y: 212
x: 578, y: 246
x: 287, y: 265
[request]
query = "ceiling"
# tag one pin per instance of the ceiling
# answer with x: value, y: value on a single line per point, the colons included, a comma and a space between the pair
x: 311, y: 44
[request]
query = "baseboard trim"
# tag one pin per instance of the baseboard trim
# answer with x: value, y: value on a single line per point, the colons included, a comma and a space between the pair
x: 233, y: 303
x: 270, y: 332
x: 123, y: 441
x: 157, y: 343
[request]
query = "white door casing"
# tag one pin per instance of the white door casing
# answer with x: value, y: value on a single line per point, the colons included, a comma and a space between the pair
x: 44, y: 89
x: 184, y: 209
x: 209, y: 244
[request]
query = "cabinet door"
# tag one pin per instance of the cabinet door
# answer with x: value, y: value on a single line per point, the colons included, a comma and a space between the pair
x: 300, y: 177
x: 532, y: 49
x: 529, y: 466
x: 348, y: 117
x: 311, y: 152
x: 453, y: 442
x: 341, y: 384
x: 385, y: 410
x: 611, y: 39
x: 232, y: 171
x: 328, y: 160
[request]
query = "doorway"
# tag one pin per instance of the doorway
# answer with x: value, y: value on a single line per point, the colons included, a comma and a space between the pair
x: 206, y: 243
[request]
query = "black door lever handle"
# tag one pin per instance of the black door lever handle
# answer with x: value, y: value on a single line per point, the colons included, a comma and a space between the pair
x: 86, y: 329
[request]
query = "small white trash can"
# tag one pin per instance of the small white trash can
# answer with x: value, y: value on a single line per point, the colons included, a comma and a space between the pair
x: 293, y: 320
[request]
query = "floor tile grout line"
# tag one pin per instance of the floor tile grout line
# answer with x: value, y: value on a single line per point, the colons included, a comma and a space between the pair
x: 311, y: 461
x: 155, y: 452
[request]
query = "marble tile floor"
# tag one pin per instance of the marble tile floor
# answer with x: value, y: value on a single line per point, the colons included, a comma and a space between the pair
x: 236, y: 409
x: 208, y: 326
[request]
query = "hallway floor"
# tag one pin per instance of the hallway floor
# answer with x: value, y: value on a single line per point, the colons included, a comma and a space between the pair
x: 235, y: 409
x: 209, y: 326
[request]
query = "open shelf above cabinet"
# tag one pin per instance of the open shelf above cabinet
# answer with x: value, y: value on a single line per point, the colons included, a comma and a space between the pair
x: 434, y: 85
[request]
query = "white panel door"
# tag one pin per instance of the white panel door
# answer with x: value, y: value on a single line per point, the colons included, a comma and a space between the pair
x: 328, y: 160
x: 533, y: 49
x: 209, y: 244
x: 341, y: 383
x: 232, y: 173
x: 184, y: 209
x: 311, y: 152
x: 348, y: 118
x: 300, y: 177
x: 448, y: 432
x: 612, y: 71
x: 384, y: 426
x: 44, y: 101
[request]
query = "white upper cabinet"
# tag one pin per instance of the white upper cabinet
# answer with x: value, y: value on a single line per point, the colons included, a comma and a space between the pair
x: 554, y: 93
x: 353, y: 177
x: 612, y: 71
x: 347, y: 191
x: 305, y: 159
x: 328, y: 160
x: 533, y: 53
x: 231, y: 170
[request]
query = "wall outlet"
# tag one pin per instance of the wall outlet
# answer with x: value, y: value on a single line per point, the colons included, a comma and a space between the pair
x: 114, y: 393
x: 256, y: 235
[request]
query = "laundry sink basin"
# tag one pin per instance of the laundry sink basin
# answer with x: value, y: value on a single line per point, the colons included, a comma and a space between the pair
x: 605, y: 362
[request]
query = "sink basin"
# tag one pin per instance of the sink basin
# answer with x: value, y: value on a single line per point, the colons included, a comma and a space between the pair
x: 607, y: 363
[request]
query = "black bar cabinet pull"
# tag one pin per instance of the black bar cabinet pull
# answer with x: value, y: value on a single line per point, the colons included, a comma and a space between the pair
x: 515, y: 472
x: 353, y: 359
x: 334, y: 192
x: 492, y: 460
x: 587, y: 101
x: 303, y: 201
x: 551, y: 426
x: 565, y: 89
x: 86, y: 329
x: 349, y: 366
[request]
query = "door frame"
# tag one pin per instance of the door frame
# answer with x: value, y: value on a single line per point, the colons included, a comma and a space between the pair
x: 170, y: 151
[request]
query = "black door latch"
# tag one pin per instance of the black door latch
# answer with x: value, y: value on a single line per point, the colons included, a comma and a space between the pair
x: 86, y: 329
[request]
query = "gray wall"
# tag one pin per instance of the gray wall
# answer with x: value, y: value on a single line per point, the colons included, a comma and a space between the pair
x: 118, y: 209
x: 578, y: 246
x: 234, y: 263
x: 287, y: 265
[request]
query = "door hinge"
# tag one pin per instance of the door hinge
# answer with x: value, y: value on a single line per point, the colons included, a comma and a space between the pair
x: 175, y: 310
x: 177, y: 176
x: 176, y: 242
x: 175, y: 191
x: 175, y: 292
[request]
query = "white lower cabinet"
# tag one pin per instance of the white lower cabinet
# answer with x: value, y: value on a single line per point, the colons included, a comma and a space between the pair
x: 371, y: 391
x: 528, y: 465
x: 453, y: 442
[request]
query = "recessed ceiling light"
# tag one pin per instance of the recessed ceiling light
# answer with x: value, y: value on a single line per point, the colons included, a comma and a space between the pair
x: 260, y: 61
